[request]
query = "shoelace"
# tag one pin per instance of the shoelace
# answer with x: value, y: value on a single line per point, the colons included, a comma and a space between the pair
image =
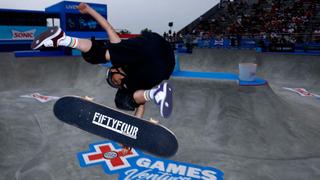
x: 48, y: 43
x: 159, y: 96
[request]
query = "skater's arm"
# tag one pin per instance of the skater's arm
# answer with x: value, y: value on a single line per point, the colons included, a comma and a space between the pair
x: 139, y: 111
x: 86, y: 9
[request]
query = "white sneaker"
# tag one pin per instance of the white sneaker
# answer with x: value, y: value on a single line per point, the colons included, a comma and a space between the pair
x: 163, y: 98
x: 49, y: 38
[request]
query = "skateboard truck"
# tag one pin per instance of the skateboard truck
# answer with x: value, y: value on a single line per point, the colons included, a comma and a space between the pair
x: 113, y: 154
x: 125, y: 150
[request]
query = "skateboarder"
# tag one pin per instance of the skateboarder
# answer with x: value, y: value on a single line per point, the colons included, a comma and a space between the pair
x: 139, y: 64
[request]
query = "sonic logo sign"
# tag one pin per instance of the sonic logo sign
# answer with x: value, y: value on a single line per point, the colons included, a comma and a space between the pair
x: 23, y: 35
x: 137, y: 165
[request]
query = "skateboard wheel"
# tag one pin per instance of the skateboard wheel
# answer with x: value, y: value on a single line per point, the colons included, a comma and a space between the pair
x: 154, y: 121
x: 88, y: 98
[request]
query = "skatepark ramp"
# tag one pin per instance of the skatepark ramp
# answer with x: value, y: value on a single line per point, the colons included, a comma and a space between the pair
x: 248, y: 132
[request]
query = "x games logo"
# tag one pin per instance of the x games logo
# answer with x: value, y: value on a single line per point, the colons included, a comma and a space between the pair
x: 97, y: 156
x: 137, y: 165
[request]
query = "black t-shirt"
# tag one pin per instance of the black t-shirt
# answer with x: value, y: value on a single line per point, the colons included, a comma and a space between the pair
x: 147, y: 60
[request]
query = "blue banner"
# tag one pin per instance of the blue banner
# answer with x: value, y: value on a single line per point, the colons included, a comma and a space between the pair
x: 137, y: 165
x: 71, y: 7
x: 20, y: 32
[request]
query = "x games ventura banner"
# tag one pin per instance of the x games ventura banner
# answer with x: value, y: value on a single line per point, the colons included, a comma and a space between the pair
x: 137, y: 165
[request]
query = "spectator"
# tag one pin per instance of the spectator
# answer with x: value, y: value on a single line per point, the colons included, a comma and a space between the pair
x: 274, y: 17
x: 316, y: 35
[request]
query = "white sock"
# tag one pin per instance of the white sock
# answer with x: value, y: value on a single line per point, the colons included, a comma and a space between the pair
x: 149, y: 94
x: 69, y: 42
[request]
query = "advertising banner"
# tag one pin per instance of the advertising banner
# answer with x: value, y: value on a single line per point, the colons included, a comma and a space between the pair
x: 137, y: 165
x: 20, y: 32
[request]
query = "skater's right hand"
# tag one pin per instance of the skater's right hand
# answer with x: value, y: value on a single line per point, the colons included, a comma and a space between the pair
x: 83, y: 8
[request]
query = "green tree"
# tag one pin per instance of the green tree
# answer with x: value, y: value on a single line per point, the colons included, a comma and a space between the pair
x: 124, y: 31
x: 145, y: 30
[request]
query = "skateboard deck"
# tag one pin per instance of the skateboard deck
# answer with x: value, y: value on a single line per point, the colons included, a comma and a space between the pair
x: 116, y: 125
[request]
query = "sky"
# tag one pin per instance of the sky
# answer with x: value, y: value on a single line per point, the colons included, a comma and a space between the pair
x: 135, y: 15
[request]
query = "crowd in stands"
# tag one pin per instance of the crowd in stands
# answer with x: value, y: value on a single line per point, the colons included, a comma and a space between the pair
x: 290, y: 21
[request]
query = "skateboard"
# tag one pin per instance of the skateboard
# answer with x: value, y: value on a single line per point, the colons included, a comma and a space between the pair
x: 116, y: 125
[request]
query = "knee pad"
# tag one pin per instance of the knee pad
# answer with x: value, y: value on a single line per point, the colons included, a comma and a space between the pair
x: 97, y: 53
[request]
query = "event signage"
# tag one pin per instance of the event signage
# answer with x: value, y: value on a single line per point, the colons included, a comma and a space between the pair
x: 137, y: 165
